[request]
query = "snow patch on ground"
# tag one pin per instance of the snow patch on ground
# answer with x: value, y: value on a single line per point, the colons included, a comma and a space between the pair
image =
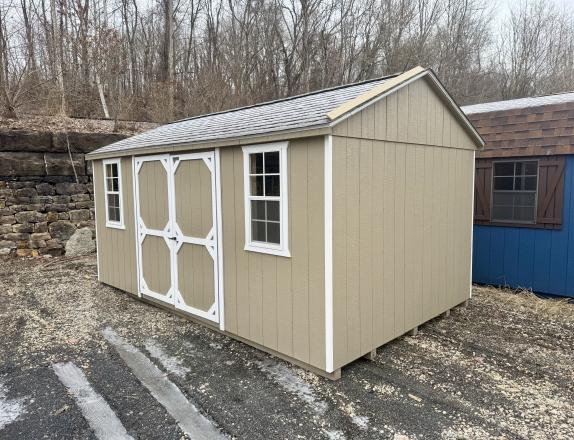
x: 290, y: 382
x: 334, y: 435
x: 361, y: 421
x: 170, y: 363
x: 10, y: 409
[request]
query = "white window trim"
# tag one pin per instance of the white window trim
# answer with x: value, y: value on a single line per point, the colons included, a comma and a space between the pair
x: 111, y: 223
x: 282, y: 249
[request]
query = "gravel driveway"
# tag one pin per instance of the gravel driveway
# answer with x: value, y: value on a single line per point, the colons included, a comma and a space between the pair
x: 500, y: 368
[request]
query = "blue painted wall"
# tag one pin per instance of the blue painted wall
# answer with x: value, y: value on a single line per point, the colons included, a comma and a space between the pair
x: 537, y: 259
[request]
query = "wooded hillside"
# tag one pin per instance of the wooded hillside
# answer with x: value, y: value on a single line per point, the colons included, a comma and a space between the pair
x: 159, y: 60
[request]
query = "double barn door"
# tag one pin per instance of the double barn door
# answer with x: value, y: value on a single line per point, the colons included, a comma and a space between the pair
x: 177, y: 233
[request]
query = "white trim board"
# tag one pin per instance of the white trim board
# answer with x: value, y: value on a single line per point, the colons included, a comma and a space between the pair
x: 329, y: 350
x: 96, y: 223
x: 135, y: 213
x: 219, y: 222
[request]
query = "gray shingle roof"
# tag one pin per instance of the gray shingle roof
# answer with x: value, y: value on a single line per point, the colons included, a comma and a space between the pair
x: 295, y: 113
x: 512, y: 104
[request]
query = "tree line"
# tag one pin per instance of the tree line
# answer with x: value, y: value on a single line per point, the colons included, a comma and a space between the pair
x: 160, y: 60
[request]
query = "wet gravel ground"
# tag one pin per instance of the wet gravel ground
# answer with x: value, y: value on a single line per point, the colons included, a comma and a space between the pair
x: 500, y: 368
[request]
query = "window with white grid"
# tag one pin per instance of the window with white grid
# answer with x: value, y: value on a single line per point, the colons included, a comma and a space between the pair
x: 112, y: 193
x: 265, y: 168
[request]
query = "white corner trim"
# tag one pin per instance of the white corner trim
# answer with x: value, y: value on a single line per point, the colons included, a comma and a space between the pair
x: 281, y: 250
x: 219, y: 220
x: 96, y: 222
x: 109, y: 223
x: 329, y: 254
x: 135, y: 201
x: 472, y: 218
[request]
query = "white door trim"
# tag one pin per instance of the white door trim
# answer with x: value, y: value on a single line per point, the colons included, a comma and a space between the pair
x: 219, y: 239
x: 172, y: 230
x: 210, y: 241
x: 143, y: 230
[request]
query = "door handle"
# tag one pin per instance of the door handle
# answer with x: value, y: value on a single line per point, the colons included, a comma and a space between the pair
x: 172, y: 238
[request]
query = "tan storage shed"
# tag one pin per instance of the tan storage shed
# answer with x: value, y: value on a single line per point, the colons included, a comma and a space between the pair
x: 317, y: 227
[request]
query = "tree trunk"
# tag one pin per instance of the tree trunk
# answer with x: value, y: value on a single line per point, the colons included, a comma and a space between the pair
x: 57, y: 50
x: 168, y: 72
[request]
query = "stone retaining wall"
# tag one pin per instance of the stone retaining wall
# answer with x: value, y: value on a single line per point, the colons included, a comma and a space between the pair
x: 44, y: 195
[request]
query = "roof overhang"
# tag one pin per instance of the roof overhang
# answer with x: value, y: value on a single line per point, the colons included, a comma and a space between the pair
x: 357, y: 104
x: 320, y: 130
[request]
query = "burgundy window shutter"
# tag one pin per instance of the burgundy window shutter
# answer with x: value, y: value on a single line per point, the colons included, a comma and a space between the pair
x: 550, y: 191
x: 482, y: 190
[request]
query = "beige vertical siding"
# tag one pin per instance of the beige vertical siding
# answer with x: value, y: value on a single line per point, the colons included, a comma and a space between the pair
x: 278, y: 302
x: 402, y: 188
x: 116, y: 247
x: 413, y: 114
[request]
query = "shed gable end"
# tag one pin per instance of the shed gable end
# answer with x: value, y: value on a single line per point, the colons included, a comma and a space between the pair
x: 414, y: 113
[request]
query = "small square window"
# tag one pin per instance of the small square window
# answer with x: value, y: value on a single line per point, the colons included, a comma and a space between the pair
x: 256, y: 163
x: 272, y: 186
x: 256, y: 185
x: 272, y: 162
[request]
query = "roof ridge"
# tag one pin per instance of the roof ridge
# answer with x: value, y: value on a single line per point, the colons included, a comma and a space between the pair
x: 519, y: 99
x: 287, y: 98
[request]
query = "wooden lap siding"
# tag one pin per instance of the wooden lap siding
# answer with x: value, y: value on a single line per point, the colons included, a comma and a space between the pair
x: 278, y: 302
x: 402, y: 217
x: 116, y: 247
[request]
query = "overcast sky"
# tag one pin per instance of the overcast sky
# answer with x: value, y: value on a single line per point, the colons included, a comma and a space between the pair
x: 502, y: 8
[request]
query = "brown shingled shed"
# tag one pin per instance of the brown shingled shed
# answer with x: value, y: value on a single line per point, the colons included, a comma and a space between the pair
x: 524, y: 198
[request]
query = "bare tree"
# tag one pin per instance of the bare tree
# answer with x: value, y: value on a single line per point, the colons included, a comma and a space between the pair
x: 173, y: 58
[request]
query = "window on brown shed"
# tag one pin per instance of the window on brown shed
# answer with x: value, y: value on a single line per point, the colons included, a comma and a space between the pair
x: 514, y: 191
x: 527, y: 192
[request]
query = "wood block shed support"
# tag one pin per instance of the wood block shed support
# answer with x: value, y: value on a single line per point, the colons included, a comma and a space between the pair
x: 371, y: 355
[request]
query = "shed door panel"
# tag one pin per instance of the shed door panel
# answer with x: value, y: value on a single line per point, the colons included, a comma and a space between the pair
x: 195, y: 232
x: 153, y: 193
x: 195, y: 277
x: 193, y: 205
x: 156, y: 265
x: 155, y: 248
